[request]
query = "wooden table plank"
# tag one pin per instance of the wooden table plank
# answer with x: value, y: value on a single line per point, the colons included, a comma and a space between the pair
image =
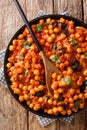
x: 35, y: 125
x: 12, y: 115
x: 85, y: 20
x: 85, y: 10
x: 33, y: 7
x: 74, y: 7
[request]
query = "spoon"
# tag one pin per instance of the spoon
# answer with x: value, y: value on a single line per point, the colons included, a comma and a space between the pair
x: 49, y: 67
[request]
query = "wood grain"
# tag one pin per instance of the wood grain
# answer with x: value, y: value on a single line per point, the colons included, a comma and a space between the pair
x: 12, y: 115
x: 74, y: 7
x: 85, y: 20
x: 35, y: 125
x: 33, y: 7
x: 85, y: 10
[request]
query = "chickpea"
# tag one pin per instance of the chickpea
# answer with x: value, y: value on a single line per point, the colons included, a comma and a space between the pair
x: 25, y: 87
x: 79, y: 50
x: 77, y: 35
x: 53, y: 36
x: 50, y: 31
x: 36, y: 72
x: 9, y: 65
x: 81, y: 106
x: 63, y: 112
x: 55, y: 110
x: 60, y: 108
x: 54, y: 85
x: 26, y: 97
x: 41, y: 100
x: 37, y: 78
x: 69, y: 71
x: 75, y: 97
x: 31, y: 105
x: 71, y: 99
x: 50, y: 39
x: 21, y: 36
x: 56, y: 30
x: 28, y: 102
x: 60, y: 90
x: 41, y: 21
x: 11, y: 47
x: 50, y: 102
x: 59, y: 77
x: 17, y: 91
x: 50, y: 111
x: 62, y: 20
x: 56, y: 95
x: 85, y: 72
x: 54, y: 75
x: 69, y: 112
x: 23, y: 50
x: 50, y: 27
x: 80, y: 95
x: 85, y: 95
x: 36, y: 107
x: 71, y: 105
x: 48, y: 20
x: 20, y: 86
x: 54, y: 103
x: 21, y: 98
x: 32, y: 81
x: 30, y: 87
x: 30, y: 40
x: 40, y: 87
x: 32, y: 91
x: 14, y: 42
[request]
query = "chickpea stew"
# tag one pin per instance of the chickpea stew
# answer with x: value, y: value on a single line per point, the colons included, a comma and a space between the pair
x: 66, y: 47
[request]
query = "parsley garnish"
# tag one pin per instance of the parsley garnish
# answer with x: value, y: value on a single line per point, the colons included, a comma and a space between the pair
x: 39, y: 27
x: 73, y: 42
x: 67, y: 81
x: 76, y: 104
x: 26, y: 44
x: 86, y: 55
x: 55, y: 59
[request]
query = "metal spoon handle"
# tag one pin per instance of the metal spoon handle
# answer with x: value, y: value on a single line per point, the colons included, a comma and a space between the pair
x: 27, y: 24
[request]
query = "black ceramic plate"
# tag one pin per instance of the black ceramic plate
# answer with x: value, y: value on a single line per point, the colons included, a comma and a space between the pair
x: 55, y: 16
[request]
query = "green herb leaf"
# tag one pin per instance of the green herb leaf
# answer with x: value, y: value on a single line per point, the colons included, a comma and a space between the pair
x: 54, y: 46
x: 42, y: 82
x: 67, y: 81
x: 39, y: 27
x: 73, y: 42
x: 55, y: 59
x: 21, y: 57
x: 26, y: 72
x: 86, y: 55
x: 76, y: 104
x: 26, y: 44
x: 61, y: 98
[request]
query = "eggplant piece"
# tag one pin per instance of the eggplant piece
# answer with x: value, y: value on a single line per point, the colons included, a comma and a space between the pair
x: 39, y: 94
x: 75, y: 65
x: 83, y: 86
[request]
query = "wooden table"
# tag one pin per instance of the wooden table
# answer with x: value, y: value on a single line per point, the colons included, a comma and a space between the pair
x: 12, y: 115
